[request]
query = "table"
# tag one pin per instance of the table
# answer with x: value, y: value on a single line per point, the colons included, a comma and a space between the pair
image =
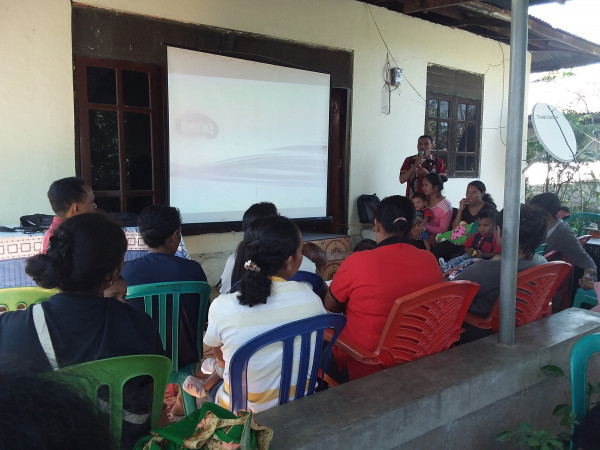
x: 16, y: 247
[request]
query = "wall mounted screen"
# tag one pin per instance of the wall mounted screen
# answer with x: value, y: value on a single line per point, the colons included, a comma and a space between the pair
x: 242, y: 132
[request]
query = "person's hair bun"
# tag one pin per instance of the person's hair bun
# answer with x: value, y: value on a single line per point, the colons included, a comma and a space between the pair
x: 45, y: 270
x: 443, y: 177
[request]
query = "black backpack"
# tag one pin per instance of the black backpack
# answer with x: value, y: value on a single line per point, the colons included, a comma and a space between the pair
x: 367, y: 204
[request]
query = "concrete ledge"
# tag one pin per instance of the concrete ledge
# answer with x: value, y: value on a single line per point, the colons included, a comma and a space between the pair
x: 429, y: 399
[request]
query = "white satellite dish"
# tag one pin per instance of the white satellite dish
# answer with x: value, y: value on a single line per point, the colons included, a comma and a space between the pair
x: 554, y: 132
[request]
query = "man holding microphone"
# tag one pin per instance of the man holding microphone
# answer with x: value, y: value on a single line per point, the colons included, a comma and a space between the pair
x: 416, y: 167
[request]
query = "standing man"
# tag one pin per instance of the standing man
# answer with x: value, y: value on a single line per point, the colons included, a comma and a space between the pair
x: 68, y: 197
x: 416, y: 167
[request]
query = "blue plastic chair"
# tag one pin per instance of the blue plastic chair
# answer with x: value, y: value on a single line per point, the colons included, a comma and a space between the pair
x: 315, y: 281
x: 235, y: 286
x: 175, y: 289
x: 305, y: 328
x: 585, y: 296
x: 580, y: 355
x: 311, y: 278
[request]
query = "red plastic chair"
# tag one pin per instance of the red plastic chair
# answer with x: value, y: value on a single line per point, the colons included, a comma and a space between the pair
x: 420, y: 324
x: 535, y: 288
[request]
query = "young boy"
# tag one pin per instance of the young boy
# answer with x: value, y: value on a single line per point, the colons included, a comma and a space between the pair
x: 68, y: 197
x: 481, y: 245
x: 423, y: 215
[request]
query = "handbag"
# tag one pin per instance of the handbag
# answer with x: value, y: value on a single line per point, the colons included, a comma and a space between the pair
x: 210, y: 427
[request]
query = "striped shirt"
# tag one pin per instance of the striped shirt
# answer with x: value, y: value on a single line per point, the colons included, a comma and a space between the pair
x: 230, y: 325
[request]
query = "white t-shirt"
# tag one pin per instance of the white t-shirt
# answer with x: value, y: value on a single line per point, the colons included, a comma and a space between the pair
x: 307, y: 266
x: 230, y: 325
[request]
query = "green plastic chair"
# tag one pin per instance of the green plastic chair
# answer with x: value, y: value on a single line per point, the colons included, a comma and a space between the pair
x: 580, y: 355
x: 175, y: 289
x: 114, y: 373
x: 12, y: 299
x: 579, y: 221
x: 585, y: 296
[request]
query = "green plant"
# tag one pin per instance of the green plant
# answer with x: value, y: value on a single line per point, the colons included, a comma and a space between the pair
x: 525, y: 434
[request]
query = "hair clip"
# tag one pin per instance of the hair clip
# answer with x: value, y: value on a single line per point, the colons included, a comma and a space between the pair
x: 401, y: 219
x: 251, y: 265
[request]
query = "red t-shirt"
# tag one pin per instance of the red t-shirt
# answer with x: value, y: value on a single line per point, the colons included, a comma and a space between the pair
x: 56, y: 222
x: 485, y: 244
x: 369, y: 282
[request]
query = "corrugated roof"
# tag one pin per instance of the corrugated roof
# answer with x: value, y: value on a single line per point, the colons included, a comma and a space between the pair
x: 551, y: 48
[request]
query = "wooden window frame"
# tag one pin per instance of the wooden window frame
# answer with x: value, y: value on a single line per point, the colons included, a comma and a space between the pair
x: 155, y: 111
x: 454, y: 94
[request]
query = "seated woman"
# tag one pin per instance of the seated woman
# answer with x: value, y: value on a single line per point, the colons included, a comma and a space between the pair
x: 368, y: 283
x: 84, y: 258
x: 561, y: 239
x: 234, y: 266
x: 440, y: 206
x: 532, y: 232
x: 273, y: 253
x: 476, y: 197
x: 160, y: 227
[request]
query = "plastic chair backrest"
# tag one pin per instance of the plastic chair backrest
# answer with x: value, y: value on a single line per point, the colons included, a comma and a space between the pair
x: 12, y: 299
x: 535, y: 288
x: 305, y: 328
x: 315, y: 280
x: 114, y: 373
x: 235, y: 286
x: 580, y: 355
x: 579, y: 221
x: 174, y: 289
x: 425, y: 322
x: 585, y: 296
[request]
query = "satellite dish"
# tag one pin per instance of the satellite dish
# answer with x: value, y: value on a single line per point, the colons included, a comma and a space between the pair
x: 554, y: 132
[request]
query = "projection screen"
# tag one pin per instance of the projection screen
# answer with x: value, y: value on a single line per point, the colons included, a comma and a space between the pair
x: 242, y: 132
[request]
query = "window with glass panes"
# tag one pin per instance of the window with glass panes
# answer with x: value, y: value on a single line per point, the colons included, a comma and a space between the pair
x: 453, y: 118
x: 120, y: 137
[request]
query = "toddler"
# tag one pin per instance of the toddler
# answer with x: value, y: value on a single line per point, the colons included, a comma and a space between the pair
x: 481, y: 245
x: 423, y: 215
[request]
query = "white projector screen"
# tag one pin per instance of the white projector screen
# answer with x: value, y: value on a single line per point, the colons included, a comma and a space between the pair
x: 242, y: 132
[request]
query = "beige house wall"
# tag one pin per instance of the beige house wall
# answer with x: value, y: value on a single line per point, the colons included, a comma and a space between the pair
x: 36, y: 89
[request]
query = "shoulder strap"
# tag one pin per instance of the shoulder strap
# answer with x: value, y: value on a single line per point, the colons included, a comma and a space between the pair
x: 39, y: 320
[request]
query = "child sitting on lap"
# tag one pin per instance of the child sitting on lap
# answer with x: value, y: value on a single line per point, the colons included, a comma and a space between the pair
x: 423, y: 215
x: 481, y: 245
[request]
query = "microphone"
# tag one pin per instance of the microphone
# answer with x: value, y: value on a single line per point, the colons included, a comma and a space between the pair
x: 421, y: 153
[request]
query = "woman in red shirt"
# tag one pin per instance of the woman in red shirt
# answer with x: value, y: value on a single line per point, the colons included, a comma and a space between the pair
x: 368, y: 283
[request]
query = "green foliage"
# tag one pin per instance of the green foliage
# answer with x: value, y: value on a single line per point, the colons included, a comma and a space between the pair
x: 553, y: 371
x: 526, y: 435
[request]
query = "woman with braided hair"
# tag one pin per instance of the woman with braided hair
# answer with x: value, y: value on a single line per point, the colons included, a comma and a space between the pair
x: 266, y: 300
